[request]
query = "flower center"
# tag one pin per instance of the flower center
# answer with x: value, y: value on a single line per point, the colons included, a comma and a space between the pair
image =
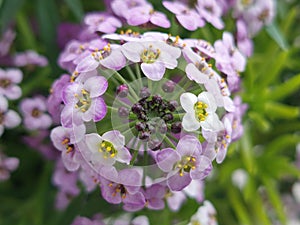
x: 4, y: 83
x: 153, y: 114
x: 200, y: 111
x: 108, y: 149
x: 150, y: 55
x: 36, y: 113
x: 69, y: 147
x: 101, y: 54
x: 264, y: 15
x: 84, y: 101
x: 185, y: 164
x: 120, y: 188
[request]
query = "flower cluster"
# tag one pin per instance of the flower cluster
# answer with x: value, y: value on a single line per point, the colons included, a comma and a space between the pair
x: 144, y: 115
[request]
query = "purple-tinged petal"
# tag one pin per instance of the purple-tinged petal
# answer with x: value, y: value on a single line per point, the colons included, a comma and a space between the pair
x: 12, y: 119
x: 3, y: 103
x: 130, y: 177
x: 203, y: 166
x: 93, y: 141
x: 166, y: 159
x: 87, y: 64
x: 13, y: 92
x: 71, y: 116
x: 69, y: 162
x: 15, y: 75
x: 99, y: 109
x: 194, y: 74
x: 188, y: 146
x: 96, y: 86
x: 136, y: 199
x: 115, y: 137
x: 123, y: 155
x: 132, y: 51
x: 160, y: 19
x: 177, y: 182
x: 110, y: 173
x: 114, y: 61
x: 154, y: 71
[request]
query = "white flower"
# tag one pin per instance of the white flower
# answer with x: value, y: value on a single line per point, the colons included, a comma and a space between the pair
x: 200, y: 112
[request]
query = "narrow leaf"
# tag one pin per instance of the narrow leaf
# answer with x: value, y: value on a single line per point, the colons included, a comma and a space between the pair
x: 76, y: 7
x: 282, y: 111
x: 276, y: 34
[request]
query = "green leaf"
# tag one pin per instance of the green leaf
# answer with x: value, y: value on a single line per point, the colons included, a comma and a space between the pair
x: 8, y: 12
x: 76, y: 7
x: 261, y: 123
x: 282, y: 143
x: 285, y: 89
x: 276, y: 110
x: 274, y: 197
x: 276, y: 34
x: 272, y: 68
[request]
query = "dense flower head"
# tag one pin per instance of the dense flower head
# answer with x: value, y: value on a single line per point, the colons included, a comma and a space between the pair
x: 143, y: 115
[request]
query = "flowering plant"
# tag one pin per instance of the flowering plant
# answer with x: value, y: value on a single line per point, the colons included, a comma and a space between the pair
x: 148, y: 109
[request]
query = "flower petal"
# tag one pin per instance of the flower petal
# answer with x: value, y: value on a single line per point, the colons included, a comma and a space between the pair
x: 188, y: 101
x: 154, y: 71
x: 96, y: 86
x: 189, y: 122
x: 166, y: 159
x: 177, y: 182
x: 189, y: 145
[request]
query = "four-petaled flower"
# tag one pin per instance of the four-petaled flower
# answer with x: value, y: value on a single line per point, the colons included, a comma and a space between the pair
x: 184, y: 164
x: 200, y: 112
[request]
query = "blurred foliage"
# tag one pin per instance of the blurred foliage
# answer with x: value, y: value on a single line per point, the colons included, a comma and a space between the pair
x: 271, y: 88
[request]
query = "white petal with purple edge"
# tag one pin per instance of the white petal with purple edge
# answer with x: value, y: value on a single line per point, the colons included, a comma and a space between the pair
x: 96, y: 86
x: 4, y: 103
x: 132, y: 51
x: 160, y: 19
x: 99, y: 109
x: 154, y: 71
x: 203, y: 163
x: 194, y: 74
x: 123, y: 155
x: 166, y: 159
x: 87, y: 64
x: 115, y: 137
x: 13, y: 92
x: 114, y: 61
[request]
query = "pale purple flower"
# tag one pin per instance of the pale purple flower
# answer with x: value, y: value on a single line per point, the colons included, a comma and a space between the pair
x: 155, y: 57
x: 211, y: 12
x: 70, y: 53
x: 203, y: 48
x: 67, y: 31
x: 108, y: 148
x: 80, y: 220
x: 66, y: 182
x: 65, y: 140
x: 55, y: 101
x: 9, y: 79
x: 195, y: 190
x: 205, y: 215
x: 110, y: 56
x: 220, y: 141
x: 6, y: 41
x: 154, y: 196
x: 229, y: 60
x: 146, y: 14
x: 84, y: 102
x: 126, y: 219
x: 244, y: 42
x: 186, y: 16
x: 200, y: 112
x: 122, y: 186
x: 175, y: 199
x: 34, y: 113
x: 184, y: 164
x: 121, y: 7
x: 39, y: 141
x: 30, y: 58
x: 7, y: 165
x: 101, y: 22
x: 8, y: 118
